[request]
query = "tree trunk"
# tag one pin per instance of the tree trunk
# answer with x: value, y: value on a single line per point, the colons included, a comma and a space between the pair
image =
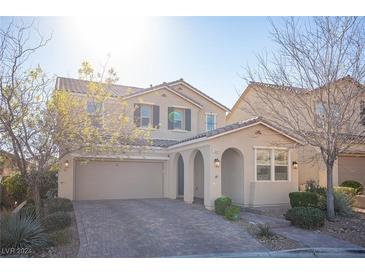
x: 34, y: 180
x: 330, y: 199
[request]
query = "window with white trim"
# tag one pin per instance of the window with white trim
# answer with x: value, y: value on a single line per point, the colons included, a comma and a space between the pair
x: 178, y: 118
x: 281, y: 165
x: 146, y: 116
x: 210, y: 121
x: 95, y: 112
x: 272, y: 164
x: 263, y: 164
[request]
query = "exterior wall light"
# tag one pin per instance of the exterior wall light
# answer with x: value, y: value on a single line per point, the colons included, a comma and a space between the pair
x: 217, y: 163
x: 295, y: 165
x: 66, y: 164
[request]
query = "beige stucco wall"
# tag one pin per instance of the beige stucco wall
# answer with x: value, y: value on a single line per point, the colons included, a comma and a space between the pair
x: 245, y: 140
x: 166, y: 98
x: 351, y: 168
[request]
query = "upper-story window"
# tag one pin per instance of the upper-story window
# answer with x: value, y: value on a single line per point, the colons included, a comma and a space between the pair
x: 179, y: 118
x: 94, y: 108
x: 147, y: 115
x: 95, y: 111
x: 210, y: 121
x: 272, y: 164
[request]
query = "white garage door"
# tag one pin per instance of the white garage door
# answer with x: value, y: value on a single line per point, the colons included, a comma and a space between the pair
x: 97, y: 180
x: 351, y: 168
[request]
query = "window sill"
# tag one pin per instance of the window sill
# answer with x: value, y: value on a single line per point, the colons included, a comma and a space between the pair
x: 281, y: 181
x: 148, y: 128
x: 179, y: 130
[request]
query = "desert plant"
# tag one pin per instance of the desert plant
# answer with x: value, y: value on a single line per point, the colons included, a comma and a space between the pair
x: 59, y: 204
x: 343, y: 203
x: 21, y: 230
x: 232, y: 213
x: 353, y: 184
x: 29, y: 210
x: 48, y: 186
x: 60, y: 237
x: 264, y: 231
x: 305, y: 199
x: 16, y: 187
x: 221, y: 203
x: 56, y: 221
x: 349, y: 191
x: 305, y: 217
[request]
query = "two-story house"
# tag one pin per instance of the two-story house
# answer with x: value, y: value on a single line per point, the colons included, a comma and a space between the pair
x: 348, y: 166
x: 194, y: 153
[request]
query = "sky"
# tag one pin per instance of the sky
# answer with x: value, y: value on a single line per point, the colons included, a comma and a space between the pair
x: 210, y: 53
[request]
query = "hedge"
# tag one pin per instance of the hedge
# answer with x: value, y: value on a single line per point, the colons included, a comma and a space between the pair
x: 353, y: 184
x: 232, y: 213
x: 303, y: 199
x: 221, y: 203
x: 305, y: 217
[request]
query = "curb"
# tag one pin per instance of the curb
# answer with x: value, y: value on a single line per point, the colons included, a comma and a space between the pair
x: 290, y: 253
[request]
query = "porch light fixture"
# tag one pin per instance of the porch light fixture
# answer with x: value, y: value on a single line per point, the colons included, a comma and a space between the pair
x: 66, y: 164
x: 295, y: 165
x: 217, y: 163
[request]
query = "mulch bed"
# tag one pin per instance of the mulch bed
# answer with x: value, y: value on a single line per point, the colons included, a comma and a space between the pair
x: 67, y: 250
x: 351, y: 229
x: 273, y: 243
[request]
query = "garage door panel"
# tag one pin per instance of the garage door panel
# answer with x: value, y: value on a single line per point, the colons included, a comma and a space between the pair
x: 97, y: 180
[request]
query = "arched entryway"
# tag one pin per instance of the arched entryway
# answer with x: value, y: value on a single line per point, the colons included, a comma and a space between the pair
x: 232, y: 175
x: 198, y: 177
x: 180, y: 177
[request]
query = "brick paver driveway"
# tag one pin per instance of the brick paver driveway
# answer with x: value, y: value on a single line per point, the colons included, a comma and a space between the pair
x: 156, y: 228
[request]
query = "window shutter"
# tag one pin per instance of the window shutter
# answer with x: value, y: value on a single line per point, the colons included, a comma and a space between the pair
x: 156, y: 116
x: 137, y: 115
x: 170, y: 117
x: 188, y: 119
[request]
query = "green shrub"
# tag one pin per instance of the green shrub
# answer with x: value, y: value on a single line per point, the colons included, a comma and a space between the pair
x: 16, y: 187
x: 305, y: 217
x: 343, y: 203
x: 232, y: 213
x: 322, y: 202
x: 56, y: 221
x: 353, y: 184
x: 59, y: 204
x: 320, y: 190
x: 21, y: 230
x: 49, y: 185
x: 264, y: 231
x: 305, y: 199
x: 221, y: 203
x: 349, y: 191
x: 60, y: 237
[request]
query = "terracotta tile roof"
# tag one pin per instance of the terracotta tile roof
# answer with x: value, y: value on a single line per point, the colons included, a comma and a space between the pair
x: 281, y: 87
x: 231, y: 127
x: 80, y: 86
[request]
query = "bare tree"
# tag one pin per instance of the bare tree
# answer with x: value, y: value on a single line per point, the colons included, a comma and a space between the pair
x: 310, y: 85
x: 39, y: 125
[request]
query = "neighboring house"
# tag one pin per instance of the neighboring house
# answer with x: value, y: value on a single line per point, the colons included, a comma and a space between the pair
x: 349, y: 166
x: 194, y: 153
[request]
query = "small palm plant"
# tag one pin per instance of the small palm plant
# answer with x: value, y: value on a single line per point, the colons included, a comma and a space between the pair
x: 21, y: 230
x: 264, y: 231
